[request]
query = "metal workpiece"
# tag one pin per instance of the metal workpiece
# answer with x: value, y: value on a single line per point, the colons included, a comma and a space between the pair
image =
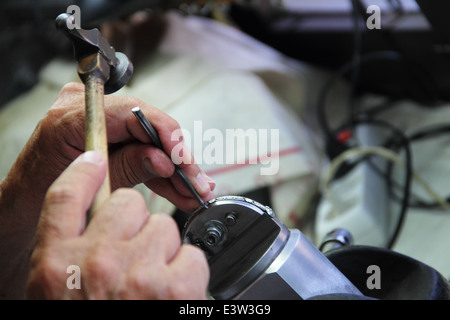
x: 252, y: 255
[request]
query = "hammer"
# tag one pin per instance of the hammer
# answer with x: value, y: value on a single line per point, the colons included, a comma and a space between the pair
x: 103, y: 71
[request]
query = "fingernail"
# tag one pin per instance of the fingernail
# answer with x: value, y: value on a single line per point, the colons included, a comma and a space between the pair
x: 211, y: 182
x: 149, y: 167
x: 204, y: 182
x: 91, y: 157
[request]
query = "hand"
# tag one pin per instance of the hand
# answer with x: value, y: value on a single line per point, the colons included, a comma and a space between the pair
x: 133, y: 158
x: 124, y: 253
x: 57, y: 140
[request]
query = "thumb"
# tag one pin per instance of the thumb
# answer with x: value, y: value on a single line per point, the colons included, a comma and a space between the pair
x: 70, y: 196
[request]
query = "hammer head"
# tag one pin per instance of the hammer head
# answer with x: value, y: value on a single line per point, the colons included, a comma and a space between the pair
x: 87, y: 42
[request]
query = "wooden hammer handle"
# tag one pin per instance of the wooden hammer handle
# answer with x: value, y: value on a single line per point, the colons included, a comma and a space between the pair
x: 94, y: 72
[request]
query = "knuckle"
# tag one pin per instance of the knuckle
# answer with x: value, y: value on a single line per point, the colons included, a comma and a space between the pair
x: 98, y: 265
x: 133, y: 101
x: 127, y: 208
x: 198, y: 258
x: 72, y: 87
x: 165, y: 223
x: 53, y: 116
x: 70, y: 95
x: 59, y: 194
x: 138, y: 284
x: 67, y: 112
x: 173, y: 124
x: 181, y: 285
x: 72, y: 119
x: 46, y: 276
x: 125, y: 175
x: 163, y: 236
x: 126, y: 197
x: 179, y: 291
x: 54, y: 113
x: 145, y: 282
x: 199, y: 263
x: 129, y: 194
x: 173, y: 129
x: 160, y: 286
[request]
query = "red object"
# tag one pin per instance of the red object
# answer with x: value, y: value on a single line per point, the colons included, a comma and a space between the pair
x: 344, y: 135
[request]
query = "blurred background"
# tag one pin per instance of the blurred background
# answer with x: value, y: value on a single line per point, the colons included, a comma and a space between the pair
x: 320, y: 32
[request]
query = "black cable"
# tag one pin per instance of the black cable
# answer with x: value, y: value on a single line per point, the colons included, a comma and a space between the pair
x: 379, y: 107
x: 426, y: 133
x: 430, y: 132
x: 415, y: 201
x: 335, y: 147
x: 399, y: 140
x: 339, y: 74
x: 356, y: 62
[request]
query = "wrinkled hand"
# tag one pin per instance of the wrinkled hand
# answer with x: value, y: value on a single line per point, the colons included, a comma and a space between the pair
x: 124, y: 253
x: 58, y: 139
x: 133, y: 158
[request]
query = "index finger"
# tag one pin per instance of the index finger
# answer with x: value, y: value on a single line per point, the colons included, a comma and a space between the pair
x: 122, y: 125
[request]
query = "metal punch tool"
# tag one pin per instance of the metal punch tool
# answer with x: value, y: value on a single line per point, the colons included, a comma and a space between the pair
x: 153, y: 134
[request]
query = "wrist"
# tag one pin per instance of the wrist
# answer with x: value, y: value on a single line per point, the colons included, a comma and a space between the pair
x: 21, y: 195
x: 16, y: 244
